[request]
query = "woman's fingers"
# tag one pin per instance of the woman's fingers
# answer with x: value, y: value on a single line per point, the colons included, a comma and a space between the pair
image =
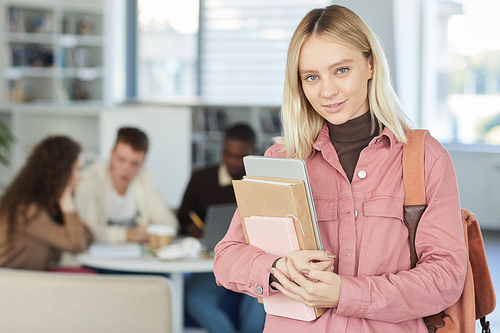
x: 311, y: 286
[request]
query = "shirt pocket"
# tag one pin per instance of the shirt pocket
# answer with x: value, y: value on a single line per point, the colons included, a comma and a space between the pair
x: 326, y: 212
x: 385, y: 207
x: 385, y: 247
x: 326, y: 209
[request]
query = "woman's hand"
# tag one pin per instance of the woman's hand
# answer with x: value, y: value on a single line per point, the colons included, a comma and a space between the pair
x: 66, y: 200
x: 303, y: 259
x: 311, y: 286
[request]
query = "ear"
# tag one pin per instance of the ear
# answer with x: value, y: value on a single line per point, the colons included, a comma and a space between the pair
x: 370, y: 64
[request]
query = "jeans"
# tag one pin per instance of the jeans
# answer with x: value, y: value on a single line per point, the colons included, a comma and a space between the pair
x: 203, y: 298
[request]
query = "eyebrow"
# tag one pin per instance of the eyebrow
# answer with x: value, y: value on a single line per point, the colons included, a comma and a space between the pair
x: 335, y: 64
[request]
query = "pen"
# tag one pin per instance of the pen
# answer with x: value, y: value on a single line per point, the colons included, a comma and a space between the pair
x: 196, y: 220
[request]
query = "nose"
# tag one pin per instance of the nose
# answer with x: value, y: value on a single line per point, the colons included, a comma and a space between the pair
x: 329, y: 88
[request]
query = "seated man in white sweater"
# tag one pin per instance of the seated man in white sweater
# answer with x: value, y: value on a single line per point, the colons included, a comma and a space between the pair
x: 118, y: 199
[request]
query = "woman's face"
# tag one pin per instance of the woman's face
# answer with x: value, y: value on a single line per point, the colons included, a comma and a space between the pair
x: 75, y: 174
x: 334, y: 79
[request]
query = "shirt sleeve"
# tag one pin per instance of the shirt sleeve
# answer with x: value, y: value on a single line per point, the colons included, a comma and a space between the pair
x: 159, y: 212
x: 90, y: 205
x: 187, y: 205
x: 241, y: 267
x: 73, y: 236
x: 437, y: 281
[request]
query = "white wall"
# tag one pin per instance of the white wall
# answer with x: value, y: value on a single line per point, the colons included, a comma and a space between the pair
x: 169, y: 133
x: 478, y: 173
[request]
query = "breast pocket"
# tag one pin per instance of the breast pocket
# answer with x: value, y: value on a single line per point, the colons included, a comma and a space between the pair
x: 385, y: 206
x: 326, y: 209
x: 385, y: 234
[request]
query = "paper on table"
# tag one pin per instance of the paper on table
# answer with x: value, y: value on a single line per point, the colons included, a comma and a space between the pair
x: 105, y: 251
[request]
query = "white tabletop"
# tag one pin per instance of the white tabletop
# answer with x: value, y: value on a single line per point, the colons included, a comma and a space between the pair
x: 149, y: 264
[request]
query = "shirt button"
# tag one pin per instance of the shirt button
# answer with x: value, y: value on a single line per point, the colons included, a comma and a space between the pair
x: 361, y: 174
x: 259, y: 290
x: 355, y: 213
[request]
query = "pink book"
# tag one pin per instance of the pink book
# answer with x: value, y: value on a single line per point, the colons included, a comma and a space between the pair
x: 277, y: 236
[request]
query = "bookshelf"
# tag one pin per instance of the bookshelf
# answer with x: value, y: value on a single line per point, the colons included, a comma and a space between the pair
x: 53, y: 52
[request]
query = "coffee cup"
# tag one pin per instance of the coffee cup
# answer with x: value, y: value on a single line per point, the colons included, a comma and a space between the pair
x: 160, y: 235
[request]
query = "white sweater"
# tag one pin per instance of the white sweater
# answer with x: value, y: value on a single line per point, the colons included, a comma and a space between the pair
x: 91, y: 199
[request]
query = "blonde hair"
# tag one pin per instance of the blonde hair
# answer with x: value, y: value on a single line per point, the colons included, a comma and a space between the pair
x: 338, y: 24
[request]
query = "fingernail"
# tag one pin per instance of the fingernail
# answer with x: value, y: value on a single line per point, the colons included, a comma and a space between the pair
x: 274, y: 285
x: 305, y: 271
x: 271, y: 271
x: 286, y: 259
x: 331, y: 256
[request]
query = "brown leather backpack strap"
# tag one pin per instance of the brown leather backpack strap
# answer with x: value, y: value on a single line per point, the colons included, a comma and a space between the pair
x: 414, y: 185
x: 413, y: 168
x: 415, y: 202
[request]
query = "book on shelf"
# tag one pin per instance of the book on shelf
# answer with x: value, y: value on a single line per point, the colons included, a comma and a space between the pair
x: 21, y: 20
x: 277, y: 236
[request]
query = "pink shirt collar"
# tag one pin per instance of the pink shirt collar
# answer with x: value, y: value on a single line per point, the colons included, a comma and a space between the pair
x: 324, y: 137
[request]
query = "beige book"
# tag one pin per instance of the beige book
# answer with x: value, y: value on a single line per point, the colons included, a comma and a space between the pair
x: 272, y: 197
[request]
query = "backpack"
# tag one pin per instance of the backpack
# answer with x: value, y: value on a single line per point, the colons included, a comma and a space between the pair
x: 478, y: 296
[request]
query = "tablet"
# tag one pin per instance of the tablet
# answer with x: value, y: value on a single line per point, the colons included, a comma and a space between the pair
x: 285, y: 168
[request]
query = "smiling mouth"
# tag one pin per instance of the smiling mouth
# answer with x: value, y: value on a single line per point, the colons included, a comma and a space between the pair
x: 334, y: 105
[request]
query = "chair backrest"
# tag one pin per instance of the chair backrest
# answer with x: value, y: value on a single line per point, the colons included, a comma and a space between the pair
x: 60, y: 302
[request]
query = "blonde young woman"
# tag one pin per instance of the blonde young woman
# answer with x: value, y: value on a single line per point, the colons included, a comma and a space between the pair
x: 341, y: 115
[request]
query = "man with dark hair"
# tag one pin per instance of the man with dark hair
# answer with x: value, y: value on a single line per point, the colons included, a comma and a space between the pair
x: 118, y: 199
x: 213, y: 184
x: 134, y: 137
x: 209, y: 186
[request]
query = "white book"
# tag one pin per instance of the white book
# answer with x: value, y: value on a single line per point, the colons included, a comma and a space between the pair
x: 105, y: 251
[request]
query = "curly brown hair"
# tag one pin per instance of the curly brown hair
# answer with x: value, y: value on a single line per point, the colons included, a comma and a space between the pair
x: 41, y: 181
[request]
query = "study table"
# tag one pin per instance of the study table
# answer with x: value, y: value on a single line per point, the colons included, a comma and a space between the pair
x: 150, y: 264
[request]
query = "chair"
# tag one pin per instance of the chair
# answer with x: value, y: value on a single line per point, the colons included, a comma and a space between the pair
x: 45, y: 302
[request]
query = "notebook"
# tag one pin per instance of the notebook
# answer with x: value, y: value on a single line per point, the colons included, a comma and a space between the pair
x: 106, y: 251
x: 277, y: 236
x: 217, y: 220
x: 284, y: 168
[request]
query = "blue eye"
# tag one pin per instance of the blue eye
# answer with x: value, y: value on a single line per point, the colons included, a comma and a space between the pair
x: 311, y: 78
x: 342, y: 70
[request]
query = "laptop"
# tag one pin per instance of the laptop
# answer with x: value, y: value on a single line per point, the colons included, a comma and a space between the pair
x: 284, y: 168
x: 217, y: 221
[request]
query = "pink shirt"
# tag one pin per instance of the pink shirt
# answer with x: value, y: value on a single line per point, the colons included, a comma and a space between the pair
x: 362, y: 223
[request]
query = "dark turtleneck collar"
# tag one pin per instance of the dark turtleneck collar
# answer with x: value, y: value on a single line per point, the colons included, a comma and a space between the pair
x: 352, y: 130
x: 349, y: 139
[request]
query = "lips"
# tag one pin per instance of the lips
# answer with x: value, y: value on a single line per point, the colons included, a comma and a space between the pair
x: 334, y: 107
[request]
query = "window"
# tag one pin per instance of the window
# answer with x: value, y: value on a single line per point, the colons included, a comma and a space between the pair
x: 167, y: 51
x: 461, y: 71
x: 243, y: 48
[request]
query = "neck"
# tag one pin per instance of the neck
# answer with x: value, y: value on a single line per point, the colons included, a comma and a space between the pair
x: 119, y: 187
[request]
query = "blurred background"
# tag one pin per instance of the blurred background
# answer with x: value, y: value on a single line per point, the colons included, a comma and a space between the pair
x: 185, y: 70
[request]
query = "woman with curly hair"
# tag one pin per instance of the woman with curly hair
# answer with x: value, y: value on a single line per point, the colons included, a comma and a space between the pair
x: 37, y: 216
